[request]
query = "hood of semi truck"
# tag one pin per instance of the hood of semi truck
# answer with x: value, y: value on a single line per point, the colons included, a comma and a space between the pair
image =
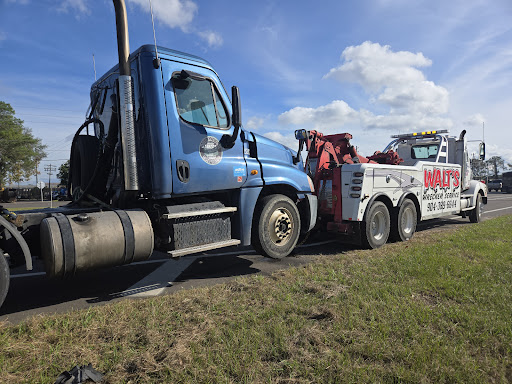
x: 277, y: 163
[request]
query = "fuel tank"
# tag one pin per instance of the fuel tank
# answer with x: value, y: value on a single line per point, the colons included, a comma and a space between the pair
x: 86, y: 241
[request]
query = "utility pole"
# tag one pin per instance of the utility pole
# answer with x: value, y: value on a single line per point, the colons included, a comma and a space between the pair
x: 50, y: 169
x: 37, y: 170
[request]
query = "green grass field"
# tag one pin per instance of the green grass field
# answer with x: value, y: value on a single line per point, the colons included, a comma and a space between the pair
x: 437, y: 309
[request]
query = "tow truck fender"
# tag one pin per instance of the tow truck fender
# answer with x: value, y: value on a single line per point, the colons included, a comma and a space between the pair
x: 21, y: 241
x: 476, y: 187
x: 386, y: 200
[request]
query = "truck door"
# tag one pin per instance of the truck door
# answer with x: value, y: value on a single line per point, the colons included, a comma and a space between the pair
x: 199, y: 114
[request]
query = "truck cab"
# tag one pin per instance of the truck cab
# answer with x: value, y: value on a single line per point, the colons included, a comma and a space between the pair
x: 190, y: 156
x: 434, y: 147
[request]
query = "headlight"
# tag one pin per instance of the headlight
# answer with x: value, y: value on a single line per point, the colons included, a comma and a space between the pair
x: 311, y: 185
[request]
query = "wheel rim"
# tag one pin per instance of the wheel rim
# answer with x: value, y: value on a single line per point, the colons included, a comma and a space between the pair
x: 280, y: 226
x: 480, y: 208
x: 407, y: 221
x: 378, y: 225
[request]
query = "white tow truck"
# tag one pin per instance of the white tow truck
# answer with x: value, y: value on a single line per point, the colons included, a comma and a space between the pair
x: 418, y: 176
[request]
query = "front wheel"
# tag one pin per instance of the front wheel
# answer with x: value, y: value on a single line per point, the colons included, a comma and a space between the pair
x: 276, y: 226
x: 376, y: 226
x: 4, y: 277
x: 475, y: 214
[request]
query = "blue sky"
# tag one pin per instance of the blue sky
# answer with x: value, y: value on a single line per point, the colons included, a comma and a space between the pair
x: 369, y: 67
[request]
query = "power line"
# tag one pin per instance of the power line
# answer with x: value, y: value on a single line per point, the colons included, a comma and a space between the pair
x: 50, y: 122
x: 47, y: 109
x: 57, y: 117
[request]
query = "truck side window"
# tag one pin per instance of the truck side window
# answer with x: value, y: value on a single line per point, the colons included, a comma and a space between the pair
x: 199, y: 102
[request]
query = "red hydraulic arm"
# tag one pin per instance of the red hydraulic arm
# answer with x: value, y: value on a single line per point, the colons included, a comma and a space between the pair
x: 326, y: 155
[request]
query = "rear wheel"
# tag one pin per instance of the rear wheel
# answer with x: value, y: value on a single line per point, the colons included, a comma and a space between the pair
x: 4, y: 277
x: 475, y: 215
x: 376, y: 226
x: 404, y: 222
x: 276, y: 226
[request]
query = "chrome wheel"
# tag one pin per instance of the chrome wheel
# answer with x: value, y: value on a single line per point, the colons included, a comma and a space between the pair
x: 375, y: 231
x: 378, y: 226
x: 408, y: 222
x: 276, y: 226
x: 281, y: 225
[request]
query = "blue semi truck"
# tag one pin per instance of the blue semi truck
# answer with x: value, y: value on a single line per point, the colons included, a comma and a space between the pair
x: 163, y: 162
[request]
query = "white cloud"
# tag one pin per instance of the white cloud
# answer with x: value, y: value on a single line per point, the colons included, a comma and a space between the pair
x: 474, y: 121
x: 173, y: 13
x: 422, y: 97
x: 403, y: 123
x: 287, y: 140
x: 391, y: 80
x: 79, y: 6
x: 179, y: 14
x: 333, y: 114
x: 254, y: 123
x: 374, y: 66
x: 213, y: 39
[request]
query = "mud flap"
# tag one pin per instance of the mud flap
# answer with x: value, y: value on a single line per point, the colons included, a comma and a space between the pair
x: 21, y: 241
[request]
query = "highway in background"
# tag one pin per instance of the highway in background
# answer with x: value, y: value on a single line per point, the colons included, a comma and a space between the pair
x: 31, y: 293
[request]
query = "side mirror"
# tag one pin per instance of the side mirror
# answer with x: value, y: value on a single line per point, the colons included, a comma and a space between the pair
x: 228, y: 141
x: 237, y: 108
x: 482, y: 151
x: 301, y: 134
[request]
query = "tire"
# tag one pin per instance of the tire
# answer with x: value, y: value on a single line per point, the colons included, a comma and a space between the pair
x: 276, y: 226
x: 83, y: 161
x: 4, y: 277
x: 375, y: 231
x: 404, y: 222
x: 475, y: 215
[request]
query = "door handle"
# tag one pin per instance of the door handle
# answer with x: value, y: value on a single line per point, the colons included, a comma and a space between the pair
x: 183, y: 169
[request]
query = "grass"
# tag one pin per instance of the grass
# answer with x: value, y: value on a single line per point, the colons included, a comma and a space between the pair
x: 436, y: 309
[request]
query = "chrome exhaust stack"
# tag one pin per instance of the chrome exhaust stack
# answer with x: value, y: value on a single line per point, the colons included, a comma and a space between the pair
x: 126, y: 107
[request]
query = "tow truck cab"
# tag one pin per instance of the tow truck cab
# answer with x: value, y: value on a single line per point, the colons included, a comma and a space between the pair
x: 432, y: 146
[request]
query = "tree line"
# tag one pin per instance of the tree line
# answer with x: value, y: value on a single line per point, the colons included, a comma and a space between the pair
x: 20, y: 151
x: 488, y: 168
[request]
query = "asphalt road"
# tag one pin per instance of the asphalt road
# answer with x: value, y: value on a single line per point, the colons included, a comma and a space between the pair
x: 31, y: 293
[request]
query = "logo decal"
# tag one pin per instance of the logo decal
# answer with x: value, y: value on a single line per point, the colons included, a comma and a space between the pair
x: 442, y: 178
x: 239, y: 173
x: 210, y: 150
